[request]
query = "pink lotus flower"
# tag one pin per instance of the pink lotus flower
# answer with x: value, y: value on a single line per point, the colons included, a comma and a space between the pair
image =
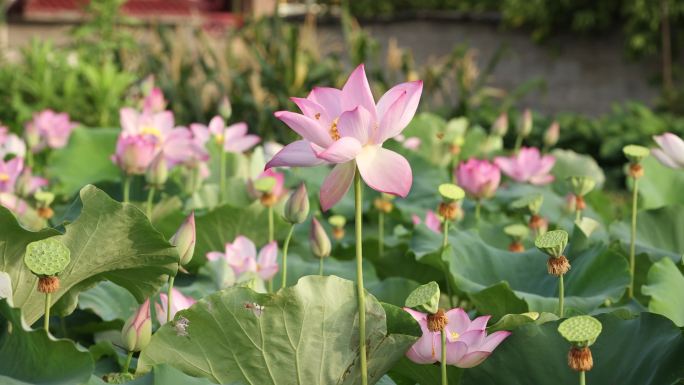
x: 154, y: 102
x: 9, y: 172
x: 137, y: 331
x: 135, y: 153
x: 179, y: 302
x: 11, y: 144
x: 242, y: 257
x: 234, y: 138
x: 479, y: 178
x: 432, y: 221
x: 346, y: 128
x: 49, y: 129
x: 13, y: 203
x: 671, y: 151
x: 28, y: 184
x: 411, y: 143
x: 527, y: 166
x: 468, y: 344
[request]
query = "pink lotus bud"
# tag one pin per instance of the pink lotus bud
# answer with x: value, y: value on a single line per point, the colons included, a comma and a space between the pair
x: 157, y: 172
x: 297, y: 206
x: 225, y: 109
x: 500, y: 126
x: 525, y: 125
x: 134, y: 153
x: 137, y: 331
x: 552, y: 134
x: 184, y: 239
x: 479, y: 178
x: 154, y: 101
x: 319, y: 241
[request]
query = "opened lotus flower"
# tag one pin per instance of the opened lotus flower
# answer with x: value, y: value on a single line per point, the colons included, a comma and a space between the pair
x: 9, y: 172
x: 241, y: 256
x: 527, y: 166
x: 671, y: 151
x: 233, y: 138
x: 479, y: 178
x: 11, y: 144
x: 49, y: 129
x: 347, y: 128
x: 467, y: 345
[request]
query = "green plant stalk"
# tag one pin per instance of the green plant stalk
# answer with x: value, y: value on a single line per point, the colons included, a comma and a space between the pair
x: 443, y: 363
x: 578, y: 215
x: 359, y: 276
x: 632, y: 242
x: 271, y: 236
x: 561, y: 295
x: 285, y: 246
x: 128, y: 362
x: 381, y: 233
x: 222, y: 176
x: 320, y: 267
x: 518, y: 143
x: 126, y: 188
x: 478, y: 207
x: 150, y: 200
x: 169, y: 299
x: 46, y: 318
x: 29, y: 158
x: 445, y: 242
x: 582, y: 378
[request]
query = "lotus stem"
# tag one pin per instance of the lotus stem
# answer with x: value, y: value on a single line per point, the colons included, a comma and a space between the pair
x: 582, y: 377
x: 169, y: 298
x: 285, y: 246
x: 46, y: 318
x: 561, y: 295
x: 381, y: 233
x: 126, y: 188
x: 443, y: 363
x: 478, y: 207
x: 632, y: 242
x: 150, y: 200
x: 359, y: 277
x: 128, y: 362
x: 445, y: 243
x: 320, y: 266
x: 271, y: 236
x: 222, y: 176
x: 518, y: 144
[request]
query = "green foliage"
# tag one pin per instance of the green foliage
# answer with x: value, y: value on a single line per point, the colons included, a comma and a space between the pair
x: 659, y: 233
x: 665, y: 284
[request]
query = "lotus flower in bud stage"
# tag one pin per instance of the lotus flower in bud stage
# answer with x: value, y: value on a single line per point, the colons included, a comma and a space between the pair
x: 319, y: 241
x: 432, y: 221
x: 180, y: 302
x: 225, y: 108
x: 527, y: 166
x: 500, y: 126
x: 671, y: 151
x: 551, y: 135
x: 49, y: 129
x: 157, y: 172
x: 297, y: 206
x: 525, y: 125
x: 137, y: 331
x: 346, y: 128
x: 184, y: 239
x: 154, y: 102
x: 467, y: 344
x: 479, y: 178
x: 241, y: 256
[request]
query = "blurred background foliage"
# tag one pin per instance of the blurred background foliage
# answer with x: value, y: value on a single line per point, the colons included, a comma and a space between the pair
x: 262, y: 63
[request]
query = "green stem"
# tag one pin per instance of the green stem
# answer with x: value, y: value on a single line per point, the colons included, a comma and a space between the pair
x: 46, y: 318
x: 271, y: 236
x: 359, y: 277
x: 443, y: 363
x: 128, y: 362
x: 478, y: 207
x: 150, y: 200
x: 561, y: 295
x: 29, y: 158
x: 285, y: 245
x: 632, y: 242
x: 169, y: 299
x: 381, y: 233
x: 222, y: 176
x: 445, y: 242
x: 578, y: 215
x: 582, y: 376
x: 126, y: 188
x: 320, y: 266
x: 518, y: 144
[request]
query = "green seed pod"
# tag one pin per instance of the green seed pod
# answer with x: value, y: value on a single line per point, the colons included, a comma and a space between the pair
x: 581, y: 330
x: 635, y: 153
x: 47, y: 257
x: 552, y: 243
x: 581, y: 185
x: 517, y: 231
x: 450, y: 192
x: 337, y: 221
x: 424, y: 297
x: 265, y: 184
x: 531, y: 202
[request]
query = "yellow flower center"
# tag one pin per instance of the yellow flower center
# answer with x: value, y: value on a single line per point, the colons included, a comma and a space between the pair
x: 455, y: 336
x: 4, y: 177
x: 150, y: 130
x: 334, y: 134
x: 219, y: 138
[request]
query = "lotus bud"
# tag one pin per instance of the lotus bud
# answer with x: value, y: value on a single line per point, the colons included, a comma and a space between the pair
x: 552, y: 135
x: 297, y: 206
x: 225, y: 109
x: 137, y: 331
x: 337, y: 222
x: 635, y: 154
x: 319, y: 241
x: 581, y: 331
x: 184, y: 239
x: 525, y: 125
x: 500, y: 126
x: 157, y: 172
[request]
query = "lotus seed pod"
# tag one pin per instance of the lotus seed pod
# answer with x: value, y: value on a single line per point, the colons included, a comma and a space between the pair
x: 337, y: 221
x: 635, y: 153
x: 48, y: 284
x: 581, y: 185
x: 47, y: 257
x: 580, y: 330
x: 580, y: 359
x: 450, y: 211
x: 552, y: 243
x: 557, y: 266
x: 438, y: 321
x: 425, y: 298
x: 451, y: 192
x: 383, y: 205
x: 635, y: 170
x: 265, y: 184
x: 517, y: 231
x: 531, y: 202
x: 297, y: 206
x: 44, y: 198
x: 516, y: 247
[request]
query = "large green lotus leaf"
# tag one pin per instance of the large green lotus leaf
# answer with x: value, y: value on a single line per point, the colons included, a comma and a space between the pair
x: 646, y: 350
x: 109, y: 301
x: 34, y: 357
x: 304, y: 334
x: 598, y: 273
x: 428, y: 127
x: 108, y: 241
x: 86, y: 159
x: 411, y: 373
x: 659, y: 232
x: 570, y: 163
x: 665, y: 285
x: 660, y: 185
